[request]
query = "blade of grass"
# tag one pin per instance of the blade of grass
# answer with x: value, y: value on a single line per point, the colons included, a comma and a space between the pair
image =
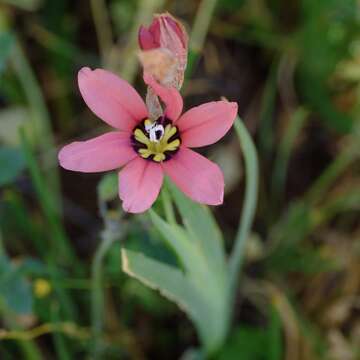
x: 275, y: 335
x: 249, y: 206
x: 62, y: 351
x: 296, y: 124
x: 321, y: 185
x: 102, y: 28
x: 40, y: 119
x: 199, y: 31
x: 97, y: 290
x: 266, y: 132
x: 60, y: 244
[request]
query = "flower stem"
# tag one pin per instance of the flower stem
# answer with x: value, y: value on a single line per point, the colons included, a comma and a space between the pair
x: 167, y: 204
x: 249, y: 207
x: 97, y: 295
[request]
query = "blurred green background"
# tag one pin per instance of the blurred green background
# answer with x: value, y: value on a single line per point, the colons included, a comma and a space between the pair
x: 294, y: 69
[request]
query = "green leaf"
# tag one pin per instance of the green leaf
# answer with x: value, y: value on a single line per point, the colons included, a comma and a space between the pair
x: 15, y: 291
x: 246, y: 343
x: 252, y: 343
x: 300, y: 260
x: 11, y: 164
x: 108, y: 187
x: 323, y: 41
x: 169, y: 280
x: 250, y: 202
x: 61, y: 247
x: 202, y: 227
x: 193, y: 354
x: 207, y: 306
x: 274, y: 338
x: 207, y: 311
x: 12, y: 118
x: 188, y: 253
x: 6, y: 43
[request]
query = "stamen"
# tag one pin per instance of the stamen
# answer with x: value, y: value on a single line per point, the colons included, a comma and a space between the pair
x: 156, y: 140
x: 155, y: 130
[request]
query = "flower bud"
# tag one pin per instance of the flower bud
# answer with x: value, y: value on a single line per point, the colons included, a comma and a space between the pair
x: 167, y: 40
x: 166, y: 32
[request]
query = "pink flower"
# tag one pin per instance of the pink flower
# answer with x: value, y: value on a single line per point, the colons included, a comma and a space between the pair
x: 149, y: 149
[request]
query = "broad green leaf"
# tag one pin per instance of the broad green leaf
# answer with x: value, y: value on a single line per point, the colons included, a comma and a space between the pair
x: 207, y: 311
x: 11, y: 164
x: 202, y: 227
x: 199, y: 289
x: 188, y: 253
x: 170, y: 281
x: 15, y: 291
x: 149, y: 300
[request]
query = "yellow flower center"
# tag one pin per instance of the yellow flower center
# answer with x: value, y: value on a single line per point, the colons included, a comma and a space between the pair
x: 156, y: 140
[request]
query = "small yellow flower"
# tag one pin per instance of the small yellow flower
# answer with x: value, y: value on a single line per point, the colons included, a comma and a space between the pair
x: 42, y: 288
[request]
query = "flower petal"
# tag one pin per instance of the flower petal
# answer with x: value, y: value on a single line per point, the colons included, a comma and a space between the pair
x: 199, y: 178
x: 112, y: 99
x: 205, y: 124
x: 105, y: 152
x: 139, y: 184
x: 149, y: 38
x: 169, y: 95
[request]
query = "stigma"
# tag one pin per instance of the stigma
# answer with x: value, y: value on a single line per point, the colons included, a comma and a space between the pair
x: 154, y: 129
x: 156, y: 140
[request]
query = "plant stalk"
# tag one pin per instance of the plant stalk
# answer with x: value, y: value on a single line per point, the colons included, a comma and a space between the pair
x: 249, y: 207
x: 97, y: 294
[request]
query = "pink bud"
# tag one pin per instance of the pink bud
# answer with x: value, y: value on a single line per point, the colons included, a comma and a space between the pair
x: 164, y: 39
x: 163, y: 32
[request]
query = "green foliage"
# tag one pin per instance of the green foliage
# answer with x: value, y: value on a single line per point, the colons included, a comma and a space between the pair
x: 202, y: 228
x: 15, y: 290
x: 108, y: 187
x: 12, y: 163
x: 206, y: 306
x: 29, y: 5
x: 6, y: 44
x: 293, y: 68
x: 255, y: 343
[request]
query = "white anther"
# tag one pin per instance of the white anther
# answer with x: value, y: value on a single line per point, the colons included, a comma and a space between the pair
x: 153, y: 130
